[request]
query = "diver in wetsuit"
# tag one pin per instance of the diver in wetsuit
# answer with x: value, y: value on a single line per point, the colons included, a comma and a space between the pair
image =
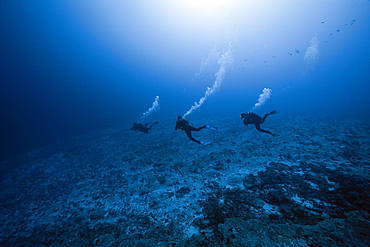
x: 185, y: 125
x: 141, y: 128
x: 252, y: 118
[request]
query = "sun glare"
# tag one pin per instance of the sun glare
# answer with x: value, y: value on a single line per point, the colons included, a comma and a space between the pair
x: 207, y: 4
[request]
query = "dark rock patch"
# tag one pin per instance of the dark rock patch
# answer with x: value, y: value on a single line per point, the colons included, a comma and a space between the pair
x: 182, y: 191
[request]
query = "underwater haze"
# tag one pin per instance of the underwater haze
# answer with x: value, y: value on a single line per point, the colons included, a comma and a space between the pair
x: 69, y: 67
x: 78, y: 75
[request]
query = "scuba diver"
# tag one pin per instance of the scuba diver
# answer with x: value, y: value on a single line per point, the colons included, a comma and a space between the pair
x: 252, y: 118
x: 141, y: 128
x: 185, y: 125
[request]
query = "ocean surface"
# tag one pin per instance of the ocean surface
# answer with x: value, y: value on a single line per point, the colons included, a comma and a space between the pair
x: 77, y: 75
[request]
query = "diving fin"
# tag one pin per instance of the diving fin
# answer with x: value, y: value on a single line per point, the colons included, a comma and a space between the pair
x: 273, y: 112
x: 205, y: 143
x: 212, y: 127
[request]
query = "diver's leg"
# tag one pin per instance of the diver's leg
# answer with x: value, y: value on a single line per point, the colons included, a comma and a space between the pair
x: 188, y: 133
x: 196, y: 129
x: 268, y: 114
x: 258, y: 127
x: 156, y: 122
x: 264, y: 118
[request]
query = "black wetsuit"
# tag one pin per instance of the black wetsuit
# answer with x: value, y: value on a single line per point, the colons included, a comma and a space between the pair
x: 252, y: 118
x: 141, y: 128
x: 184, y: 125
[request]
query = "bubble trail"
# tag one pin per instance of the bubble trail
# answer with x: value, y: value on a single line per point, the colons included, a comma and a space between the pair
x: 225, y: 61
x: 312, y: 54
x: 154, y: 107
x: 266, y: 93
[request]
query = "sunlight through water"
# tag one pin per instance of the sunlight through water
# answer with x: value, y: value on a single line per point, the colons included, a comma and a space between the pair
x: 208, y: 4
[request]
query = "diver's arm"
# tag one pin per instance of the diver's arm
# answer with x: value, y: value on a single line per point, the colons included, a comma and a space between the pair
x: 246, y: 121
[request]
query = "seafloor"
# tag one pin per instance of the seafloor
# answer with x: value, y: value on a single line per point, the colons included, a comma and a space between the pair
x: 308, y: 187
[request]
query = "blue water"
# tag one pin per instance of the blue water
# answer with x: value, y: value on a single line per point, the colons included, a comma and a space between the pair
x: 70, y: 67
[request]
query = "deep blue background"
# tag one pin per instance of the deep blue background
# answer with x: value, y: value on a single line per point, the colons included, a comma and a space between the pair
x: 66, y: 70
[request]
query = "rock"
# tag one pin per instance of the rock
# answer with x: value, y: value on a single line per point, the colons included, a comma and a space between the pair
x: 182, y: 191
